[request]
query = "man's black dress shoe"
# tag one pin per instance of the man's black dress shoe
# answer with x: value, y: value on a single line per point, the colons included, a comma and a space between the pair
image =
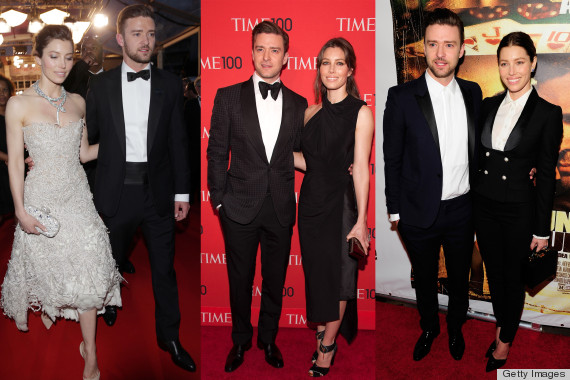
x: 235, y: 357
x: 178, y: 354
x: 272, y: 354
x: 493, y: 364
x: 127, y: 267
x: 423, y: 344
x: 456, y: 344
x: 110, y: 315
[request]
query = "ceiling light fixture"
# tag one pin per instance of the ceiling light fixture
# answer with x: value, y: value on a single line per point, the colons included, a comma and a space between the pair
x: 14, y: 18
x: 100, y: 20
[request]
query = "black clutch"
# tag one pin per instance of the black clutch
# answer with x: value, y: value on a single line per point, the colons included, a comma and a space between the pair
x: 540, y: 266
x: 355, y: 248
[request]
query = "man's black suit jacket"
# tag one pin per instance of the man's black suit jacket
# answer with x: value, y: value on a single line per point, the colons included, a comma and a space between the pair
x: 234, y: 128
x: 167, y: 140
x: 78, y: 79
x: 412, y: 160
x: 534, y: 142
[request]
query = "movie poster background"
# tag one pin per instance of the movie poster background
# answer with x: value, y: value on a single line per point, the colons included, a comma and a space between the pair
x: 486, y: 22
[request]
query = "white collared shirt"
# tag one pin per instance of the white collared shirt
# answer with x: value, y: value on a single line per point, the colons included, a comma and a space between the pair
x: 136, y: 105
x: 269, y: 112
x: 451, y: 119
x: 507, y: 116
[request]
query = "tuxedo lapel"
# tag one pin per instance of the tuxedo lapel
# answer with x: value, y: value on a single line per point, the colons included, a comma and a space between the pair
x: 522, y: 122
x: 156, y: 100
x: 115, y: 96
x: 487, y: 131
x: 424, y: 102
x: 286, y: 120
x: 250, y: 118
x: 468, y: 100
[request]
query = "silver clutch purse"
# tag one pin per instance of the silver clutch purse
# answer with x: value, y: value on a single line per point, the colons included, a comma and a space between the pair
x: 42, y: 214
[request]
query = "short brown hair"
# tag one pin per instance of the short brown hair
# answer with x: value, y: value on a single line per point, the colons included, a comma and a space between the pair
x: 48, y: 34
x: 444, y: 16
x: 132, y: 11
x: 270, y: 28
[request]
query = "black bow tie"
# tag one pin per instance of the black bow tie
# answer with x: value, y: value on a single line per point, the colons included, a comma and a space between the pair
x: 264, y: 87
x: 144, y: 74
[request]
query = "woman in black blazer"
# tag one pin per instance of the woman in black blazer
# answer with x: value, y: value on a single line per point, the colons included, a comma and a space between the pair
x: 520, y: 131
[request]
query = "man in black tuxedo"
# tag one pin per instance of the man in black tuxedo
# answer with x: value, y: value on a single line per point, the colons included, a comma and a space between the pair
x: 430, y: 134
x: 91, y: 63
x: 135, y: 111
x: 259, y: 122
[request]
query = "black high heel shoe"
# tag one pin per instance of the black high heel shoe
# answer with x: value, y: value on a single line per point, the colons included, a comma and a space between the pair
x: 491, y: 349
x: 317, y: 371
x: 319, y: 335
x: 493, y: 364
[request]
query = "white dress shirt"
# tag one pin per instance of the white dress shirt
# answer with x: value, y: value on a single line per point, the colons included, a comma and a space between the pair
x: 507, y: 116
x: 451, y: 120
x: 269, y: 112
x: 136, y: 105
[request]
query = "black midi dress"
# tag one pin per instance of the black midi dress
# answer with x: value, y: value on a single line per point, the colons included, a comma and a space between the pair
x: 327, y: 208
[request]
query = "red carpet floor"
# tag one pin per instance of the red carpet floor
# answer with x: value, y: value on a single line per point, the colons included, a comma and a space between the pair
x: 126, y: 351
x: 352, y: 362
x: 397, y: 330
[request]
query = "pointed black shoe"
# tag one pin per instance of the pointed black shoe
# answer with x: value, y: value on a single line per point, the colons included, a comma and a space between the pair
x: 235, y: 357
x: 178, y: 354
x: 110, y: 315
x: 491, y: 349
x: 456, y: 344
x: 493, y: 364
x: 423, y: 345
x: 272, y: 354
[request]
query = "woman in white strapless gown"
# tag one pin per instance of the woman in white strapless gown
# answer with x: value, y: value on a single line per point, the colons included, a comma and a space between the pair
x: 73, y: 274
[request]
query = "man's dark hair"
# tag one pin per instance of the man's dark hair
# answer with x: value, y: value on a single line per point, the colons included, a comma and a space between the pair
x: 444, y: 16
x: 132, y: 11
x: 270, y: 28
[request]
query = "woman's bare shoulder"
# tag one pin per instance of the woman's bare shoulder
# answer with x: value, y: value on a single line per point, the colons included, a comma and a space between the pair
x: 311, y: 111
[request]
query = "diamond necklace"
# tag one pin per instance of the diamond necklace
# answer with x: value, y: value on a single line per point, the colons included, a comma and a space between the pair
x: 53, y: 101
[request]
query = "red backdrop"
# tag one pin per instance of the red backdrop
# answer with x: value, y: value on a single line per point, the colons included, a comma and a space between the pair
x: 226, y: 59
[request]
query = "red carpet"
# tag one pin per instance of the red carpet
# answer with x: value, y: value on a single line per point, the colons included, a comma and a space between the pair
x: 126, y: 351
x: 397, y: 330
x: 297, y: 345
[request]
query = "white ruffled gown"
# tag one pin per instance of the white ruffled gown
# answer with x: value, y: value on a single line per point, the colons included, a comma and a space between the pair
x: 75, y: 270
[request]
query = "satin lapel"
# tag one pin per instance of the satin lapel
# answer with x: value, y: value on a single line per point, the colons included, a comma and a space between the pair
x: 468, y: 100
x: 156, y: 100
x: 286, y: 121
x: 115, y: 98
x: 522, y: 122
x: 250, y: 118
x: 487, y: 131
x: 424, y: 101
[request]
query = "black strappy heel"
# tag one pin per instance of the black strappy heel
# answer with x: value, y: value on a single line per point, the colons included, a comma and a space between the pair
x: 317, y: 371
x: 319, y: 335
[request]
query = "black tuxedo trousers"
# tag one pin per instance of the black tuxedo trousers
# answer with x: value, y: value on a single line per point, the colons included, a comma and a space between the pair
x: 452, y: 229
x: 242, y: 241
x: 136, y: 208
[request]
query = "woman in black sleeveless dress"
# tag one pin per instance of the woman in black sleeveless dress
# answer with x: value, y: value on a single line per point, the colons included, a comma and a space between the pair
x: 333, y: 205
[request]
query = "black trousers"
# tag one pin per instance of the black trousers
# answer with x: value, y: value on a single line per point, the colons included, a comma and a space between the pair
x: 504, y: 233
x: 242, y: 241
x: 453, y: 228
x: 136, y: 208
